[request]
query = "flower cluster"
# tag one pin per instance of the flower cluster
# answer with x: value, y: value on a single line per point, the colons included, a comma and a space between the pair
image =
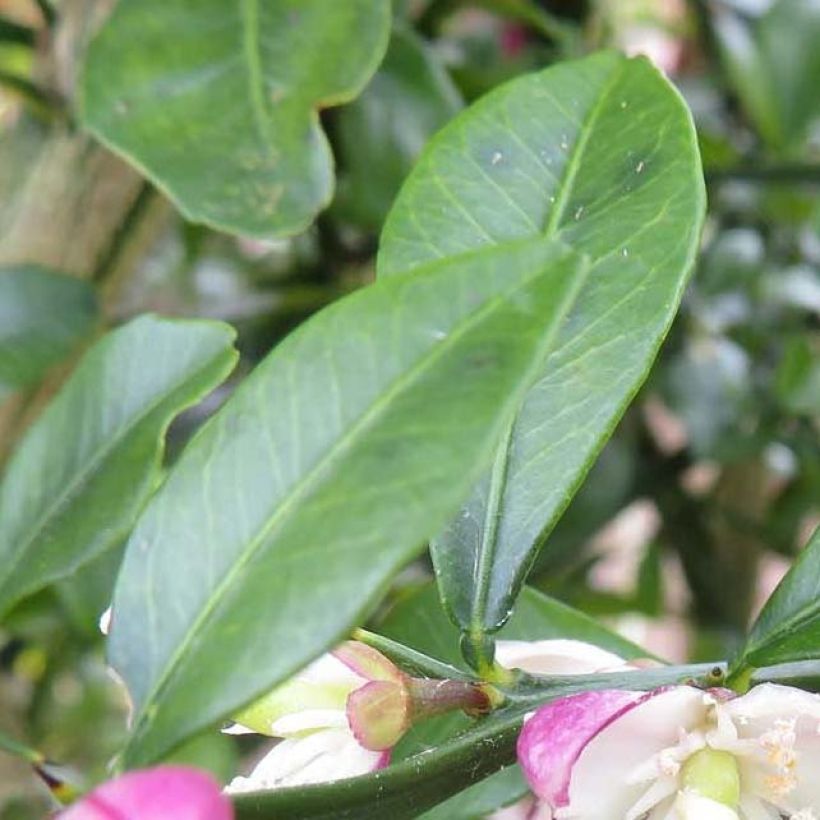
x: 342, y: 715
x: 677, y: 752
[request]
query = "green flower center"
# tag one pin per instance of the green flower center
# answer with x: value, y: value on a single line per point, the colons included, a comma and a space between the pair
x: 713, y: 774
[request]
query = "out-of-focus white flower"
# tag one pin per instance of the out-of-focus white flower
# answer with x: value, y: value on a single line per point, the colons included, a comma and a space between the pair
x: 556, y: 657
x: 678, y: 753
x: 339, y: 717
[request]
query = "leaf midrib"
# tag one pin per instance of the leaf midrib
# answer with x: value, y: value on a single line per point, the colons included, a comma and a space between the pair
x: 489, y: 533
x: 146, y: 716
x: 249, y: 13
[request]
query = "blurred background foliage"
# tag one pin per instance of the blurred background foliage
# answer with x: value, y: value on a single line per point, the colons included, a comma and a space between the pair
x: 709, y: 486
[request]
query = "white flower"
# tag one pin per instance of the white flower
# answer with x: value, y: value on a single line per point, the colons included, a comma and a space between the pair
x: 339, y: 717
x: 557, y: 657
x: 677, y: 753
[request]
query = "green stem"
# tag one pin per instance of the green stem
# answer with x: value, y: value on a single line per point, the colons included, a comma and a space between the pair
x: 409, y: 660
x: 108, y: 262
x: 17, y: 749
x: 534, y: 690
x: 740, y: 679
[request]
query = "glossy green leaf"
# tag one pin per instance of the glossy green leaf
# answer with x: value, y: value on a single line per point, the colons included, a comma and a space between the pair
x: 602, y: 153
x: 380, y: 135
x: 420, y: 622
x: 85, y: 468
x: 217, y: 101
x: 43, y: 318
x: 788, y: 628
x: 325, y: 472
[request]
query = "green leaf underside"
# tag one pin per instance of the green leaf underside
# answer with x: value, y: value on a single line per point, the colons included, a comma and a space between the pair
x: 601, y: 153
x: 325, y: 472
x: 409, y: 788
x: 43, y: 317
x: 216, y: 102
x: 85, y: 468
x: 788, y: 628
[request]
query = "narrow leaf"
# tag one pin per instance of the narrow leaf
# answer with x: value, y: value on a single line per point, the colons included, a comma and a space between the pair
x: 43, y: 317
x: 788, y: 628
x: 217, y: 101
x: 325, y: 472
x: 86, y: 467
x: 602, y: 153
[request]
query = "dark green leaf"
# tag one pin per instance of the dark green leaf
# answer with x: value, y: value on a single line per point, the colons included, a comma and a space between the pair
x: 85, y: 468
x: 217, y: 101
x: 602, y: 153
x: 380, y: 135
x: 419, y: 622
x: 43, y: 317
x: 788, y: 628
x: 480, y: 800
x: 325, y: 472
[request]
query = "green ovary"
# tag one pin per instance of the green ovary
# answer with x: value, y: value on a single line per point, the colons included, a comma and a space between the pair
x: 713, y: 774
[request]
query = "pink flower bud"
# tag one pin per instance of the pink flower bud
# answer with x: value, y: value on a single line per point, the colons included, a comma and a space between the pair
x: 164, y: 792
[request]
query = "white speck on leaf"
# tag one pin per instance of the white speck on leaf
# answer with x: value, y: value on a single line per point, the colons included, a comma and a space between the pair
x: 639, y: 167
x: 497, y: 157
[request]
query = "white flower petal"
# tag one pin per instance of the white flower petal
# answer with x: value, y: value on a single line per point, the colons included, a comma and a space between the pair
x: 320, y: 757
x: 328, y: 669
x: 602, y: 786
x: 692, y: 806
x: 784, y: 723
x: 238, y: 729
x: 556, y: 657
x: 309, y: 720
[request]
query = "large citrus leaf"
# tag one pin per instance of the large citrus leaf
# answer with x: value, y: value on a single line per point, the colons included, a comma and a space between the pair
x: 85, y: 468
x: 217, y: 101
x: 602, y: 153
x: 325, y: 472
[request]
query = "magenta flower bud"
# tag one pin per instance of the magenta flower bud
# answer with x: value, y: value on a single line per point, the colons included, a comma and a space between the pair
x: 178, y: 792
